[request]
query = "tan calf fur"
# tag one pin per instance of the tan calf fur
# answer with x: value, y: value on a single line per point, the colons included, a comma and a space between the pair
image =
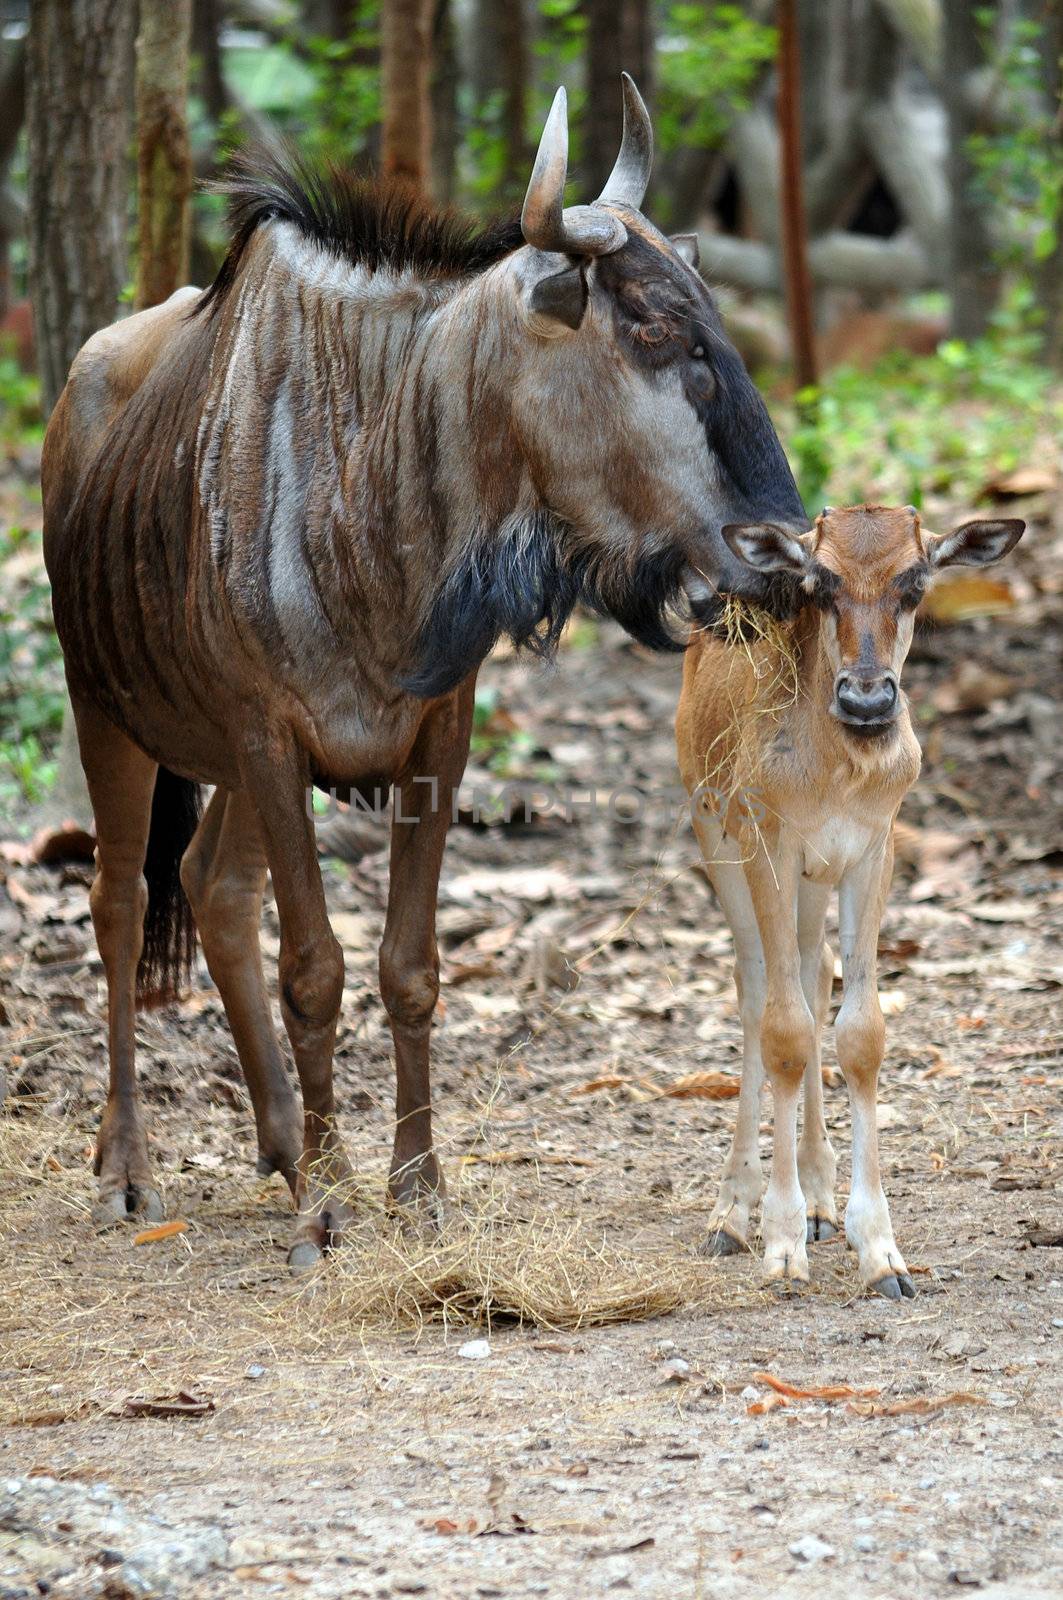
x: 796, y: 744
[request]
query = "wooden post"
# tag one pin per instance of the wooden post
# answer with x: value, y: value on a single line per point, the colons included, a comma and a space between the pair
x: 794, y: 234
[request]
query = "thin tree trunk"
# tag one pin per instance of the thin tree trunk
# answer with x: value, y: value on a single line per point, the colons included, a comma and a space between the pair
x: 1050, y: 271
x: 638, y: 45
x: 513, y: 52
x: 12, y: 115
x: 206, y: 46
x: 794, y: 235
x: 164, y: 159
x: 974, y: 278
x: 603, y: 117
x: 445, y: 80
x: 79, y: 95
x: 405, y: 31
x: 78, y: 104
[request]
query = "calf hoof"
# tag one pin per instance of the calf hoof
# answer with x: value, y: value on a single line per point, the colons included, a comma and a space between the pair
x: 131, y: 1204
x: 894, y: 1286
x: 723, y: 1243
x: 819, y: 1228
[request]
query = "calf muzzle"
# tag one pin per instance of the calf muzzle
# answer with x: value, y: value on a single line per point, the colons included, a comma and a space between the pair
x: 866, y: 705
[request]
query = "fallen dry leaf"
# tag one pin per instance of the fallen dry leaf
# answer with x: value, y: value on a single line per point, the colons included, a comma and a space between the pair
x: 972, y: 687
x: 770, y: 1402
x: 1005, y: 911
x: 1024, y: 480
x: 958, y: 596
x: 165, y: 1230
x: 185, y: 1403
x: 702, y: 1086
x: 920, y: 1406
x: 814, y: 1391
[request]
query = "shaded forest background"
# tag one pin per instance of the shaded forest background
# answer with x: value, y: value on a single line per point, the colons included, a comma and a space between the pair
x: 917, y: 354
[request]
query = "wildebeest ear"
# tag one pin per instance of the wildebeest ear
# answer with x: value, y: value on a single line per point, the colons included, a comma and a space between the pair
x: 562, y: 296
x: 687, y: 248
x: 766, y: 548
x: 974, y: 544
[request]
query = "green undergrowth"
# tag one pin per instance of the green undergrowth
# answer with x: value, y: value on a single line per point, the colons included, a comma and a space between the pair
x: 944, y: 424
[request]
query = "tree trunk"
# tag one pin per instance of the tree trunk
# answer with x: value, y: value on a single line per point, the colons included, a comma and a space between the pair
x: 794, y: 228
x: 78, y: 104
x: 1050, y: 271
x: 603, y: 116
x: 164, y: 159
x: 445, y: 80
x: 405, y: 31
x: 973, y: 275
x: 513, y: 54
x: 638, y: 45
x: 206, y: 46
x: 79, y: 95
x: 12, y: 113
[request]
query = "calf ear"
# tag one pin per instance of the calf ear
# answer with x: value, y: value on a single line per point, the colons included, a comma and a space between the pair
x: 766, y: 548
x: 687, y: 248
x: 974, y: 544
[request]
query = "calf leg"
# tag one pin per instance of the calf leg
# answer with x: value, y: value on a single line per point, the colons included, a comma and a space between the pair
x: 742, y: 1181
x: 409, y: 962
x: 816, y: 1161
x: 121, y: 779
x: 787, y: 1041
x: 860, y: 1034
x: 223, y: 873
x: 311, y: 983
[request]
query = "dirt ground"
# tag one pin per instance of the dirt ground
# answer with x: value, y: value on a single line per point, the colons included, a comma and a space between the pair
x: 337, y: 1441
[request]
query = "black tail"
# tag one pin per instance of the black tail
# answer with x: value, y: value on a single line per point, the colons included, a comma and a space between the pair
x: 169, y: 928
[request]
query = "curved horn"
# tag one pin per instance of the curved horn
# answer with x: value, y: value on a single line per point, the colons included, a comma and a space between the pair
x: 627, y: 182
x: 580, y: 231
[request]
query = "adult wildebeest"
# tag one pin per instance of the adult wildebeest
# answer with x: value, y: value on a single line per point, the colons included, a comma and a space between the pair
x: 287, y: 518
x: 812, y: 778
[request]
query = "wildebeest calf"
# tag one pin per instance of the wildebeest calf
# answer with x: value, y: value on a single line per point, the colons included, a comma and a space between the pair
x: 798, y: 746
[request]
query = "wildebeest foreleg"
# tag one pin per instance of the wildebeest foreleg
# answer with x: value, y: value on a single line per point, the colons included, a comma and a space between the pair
x: 816, y: 1162
x: 223, y: 873
x: 409, y: 962
x: 121, y: 780
x: 311, y: 985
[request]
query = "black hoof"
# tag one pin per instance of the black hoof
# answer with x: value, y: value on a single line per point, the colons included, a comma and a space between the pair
x: 303, y: 1257
x: 722, y: 1243
x: 895, y: 1286
x: 819, y: 1228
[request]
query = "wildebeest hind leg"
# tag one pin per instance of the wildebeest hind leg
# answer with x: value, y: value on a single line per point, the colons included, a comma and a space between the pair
x: 121, y: 781
x: 224, y: 872
x: 409, y: 961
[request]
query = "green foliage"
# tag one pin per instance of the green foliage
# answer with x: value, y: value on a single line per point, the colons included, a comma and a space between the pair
x: 709, y: 60
x: 20, y: 401
x: 1019, y: 166
x: 943, y: 423
x: 31, y: 675
x: 343, y: 106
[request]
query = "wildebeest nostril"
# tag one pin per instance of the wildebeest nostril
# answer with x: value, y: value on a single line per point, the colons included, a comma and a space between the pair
x: 866, y: 699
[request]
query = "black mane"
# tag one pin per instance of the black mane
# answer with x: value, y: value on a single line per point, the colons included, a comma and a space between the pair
x: 364, y: 222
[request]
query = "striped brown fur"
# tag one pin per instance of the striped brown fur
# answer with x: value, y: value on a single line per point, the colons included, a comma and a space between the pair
x: 286, y: 519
